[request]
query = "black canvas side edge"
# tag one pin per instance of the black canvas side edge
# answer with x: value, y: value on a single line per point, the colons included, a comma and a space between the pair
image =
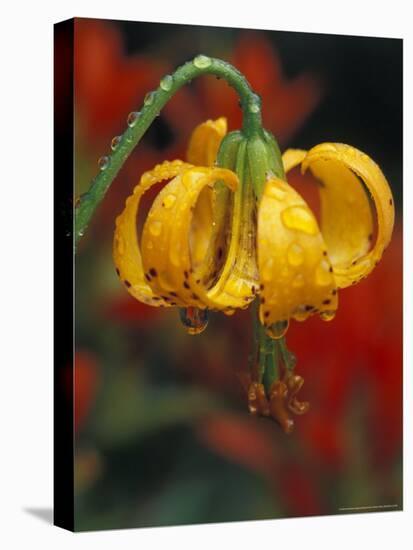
x: 63, y: 275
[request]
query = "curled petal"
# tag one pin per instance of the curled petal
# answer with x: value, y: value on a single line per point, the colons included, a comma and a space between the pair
x: 202, y: 151
x: 166, y: 238
x: 346, y: 214
x: 126, y: 250
x: 205, y: 141
x: 292, y: 158
x: 238, y: 281
x: 295, y: 272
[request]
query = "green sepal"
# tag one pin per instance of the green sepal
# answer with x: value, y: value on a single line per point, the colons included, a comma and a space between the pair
x: 276, y: 162
x: 227, y: 154
x: 264, y: 157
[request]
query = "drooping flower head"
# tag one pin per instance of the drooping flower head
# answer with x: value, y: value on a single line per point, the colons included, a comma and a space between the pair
x: 205, y: 243
x: 227, y: 228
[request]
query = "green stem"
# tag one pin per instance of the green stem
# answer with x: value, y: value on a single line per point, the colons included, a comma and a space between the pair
x: 263, y: 361
x: 268, y: 354
x: 154, y: 102
x: 288, y: 356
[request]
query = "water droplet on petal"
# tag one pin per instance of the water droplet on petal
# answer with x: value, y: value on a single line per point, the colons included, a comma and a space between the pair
x: 166, y: 83
x: 195, y: 320
x: 295, y: 254
x: 327, y: 315
x: 169, y: 200
x: 300, y: 218
x: 103, y: 163
x: 133, y: 118
x: 277, y: 330
x: 114, y: 144
x: 276, y: 192
x: 149, y: 98
x: 202, y: 61
x: 301, y: 313
x: 323, y: 276
x: 155, y: 228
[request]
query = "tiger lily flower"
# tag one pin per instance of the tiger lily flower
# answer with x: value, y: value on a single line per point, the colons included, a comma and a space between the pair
x: 228, y: 228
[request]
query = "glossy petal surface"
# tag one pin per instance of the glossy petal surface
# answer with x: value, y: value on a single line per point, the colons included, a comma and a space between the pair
x: 295, y: 272
x: 166, y: 239
x: 126, y: 249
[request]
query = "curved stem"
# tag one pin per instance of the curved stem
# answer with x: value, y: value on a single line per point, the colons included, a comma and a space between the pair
x: 154, y: 102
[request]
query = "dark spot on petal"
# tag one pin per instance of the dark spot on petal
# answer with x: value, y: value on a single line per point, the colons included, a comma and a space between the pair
x: 127, y: 283
x: 219, y: 253
x: 261, y: 287
x: 391, y: 202
x: 331, y: 270
x: 266, y: 313
x: 198, y: 281
x: 166, y: 298
x: 263, y: 300
x: 173, y: 303
x: 195, y: 296
x: 117, y: 271
x: 246, y: 298
x: 186, y: 274
x: 354, y: 262
x: 309, y: 307
x: 326, y: 302
x: 173, y: 294
x: 147, y: 277
x: 370, y: 237
x: 334, y: 291
x: 155, y: 298
x: 186, y: 285
x: 324, y: 252
x: 153, y: 272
